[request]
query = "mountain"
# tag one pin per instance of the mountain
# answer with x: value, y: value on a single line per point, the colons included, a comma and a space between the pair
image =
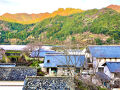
x: 25, y: 18
x: 115, y: 7
x: 96, y: 26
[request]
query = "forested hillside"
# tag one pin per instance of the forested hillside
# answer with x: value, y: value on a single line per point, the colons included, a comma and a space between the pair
x: 25, y: 18
x: 88, y: 27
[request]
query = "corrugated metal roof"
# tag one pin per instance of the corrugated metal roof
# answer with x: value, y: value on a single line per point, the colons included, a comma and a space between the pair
x: 105, y: 51
x: 59, y: 60
x: 113, y: 66
x: 41, y: 53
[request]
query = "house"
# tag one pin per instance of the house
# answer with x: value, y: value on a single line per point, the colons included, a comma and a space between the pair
x: 102, y: 79
x: 112, y: 69
x: 97, y: 55
x: 60, y: 64
x: 12, y: 52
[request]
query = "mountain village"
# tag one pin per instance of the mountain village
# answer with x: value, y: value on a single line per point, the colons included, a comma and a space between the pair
x: 57, y: 68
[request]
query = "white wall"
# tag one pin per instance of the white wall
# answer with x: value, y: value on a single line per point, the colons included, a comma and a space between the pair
x: 64, y: 71
x: 11, y: 85
x: 107, y: 72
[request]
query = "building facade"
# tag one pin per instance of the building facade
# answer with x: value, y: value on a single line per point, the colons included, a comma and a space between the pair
x: 62, y: 65
x: 97, y: 55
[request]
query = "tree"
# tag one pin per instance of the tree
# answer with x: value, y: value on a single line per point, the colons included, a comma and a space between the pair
x: 33, y: 46
x: 98, y: 41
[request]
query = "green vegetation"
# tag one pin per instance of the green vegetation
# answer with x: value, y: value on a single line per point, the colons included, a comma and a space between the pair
x: 57, y: 29
x: 36, y: 63
x: 87, y: 86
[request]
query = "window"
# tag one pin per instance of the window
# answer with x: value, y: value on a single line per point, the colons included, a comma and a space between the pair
x: 77, y: 70
x: 88, y: 60
x: 48, y: 61
x: 100, y: 69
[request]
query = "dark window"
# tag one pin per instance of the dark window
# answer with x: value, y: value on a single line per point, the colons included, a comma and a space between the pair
x: 54, y: 70
x: 88, y: 60
x: 47, y: 70
x: 100, y: 69
x: 48, y: 61
x: 77, y: 70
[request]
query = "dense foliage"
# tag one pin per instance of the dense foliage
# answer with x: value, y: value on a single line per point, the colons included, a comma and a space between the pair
x: 104, y: 21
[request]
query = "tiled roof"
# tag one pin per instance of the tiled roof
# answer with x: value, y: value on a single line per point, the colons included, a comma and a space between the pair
x: 113, y: 66
x: 41, y: 53
x: 105, y: 51
x: 62, y: 60
x: 103, y: 76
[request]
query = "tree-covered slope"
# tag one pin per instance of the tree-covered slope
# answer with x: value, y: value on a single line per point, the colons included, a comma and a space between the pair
x: 89, y: 27
x: 25, y: 18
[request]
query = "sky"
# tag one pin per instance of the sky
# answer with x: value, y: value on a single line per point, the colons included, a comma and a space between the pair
x: 42, y: 6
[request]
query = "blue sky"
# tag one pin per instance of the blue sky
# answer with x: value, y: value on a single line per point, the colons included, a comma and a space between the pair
x: 41, y: 6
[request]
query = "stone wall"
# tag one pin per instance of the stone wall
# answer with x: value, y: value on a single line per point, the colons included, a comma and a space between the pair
x: 16, y: 73
x: 49, y: 83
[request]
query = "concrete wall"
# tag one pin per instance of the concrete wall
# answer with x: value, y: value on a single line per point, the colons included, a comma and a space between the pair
x: 65, y: 71
x: 49, y: 83
x: 61, y: 71
x: 16, y: 73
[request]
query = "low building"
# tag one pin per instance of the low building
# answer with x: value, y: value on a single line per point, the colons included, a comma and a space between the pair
x: 112, y: 69
x: 12, y: 52
x: 60, y: 64
x: 97, y: 55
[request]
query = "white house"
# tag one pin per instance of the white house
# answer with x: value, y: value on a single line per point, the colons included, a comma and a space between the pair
x: 112, y: 69
x: 97, y: 55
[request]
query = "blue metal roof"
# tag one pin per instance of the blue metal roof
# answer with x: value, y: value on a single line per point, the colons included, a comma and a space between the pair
x: 42, y: 53
x: 105, y: 51
x: 113, y: 66
x: 59, y: 60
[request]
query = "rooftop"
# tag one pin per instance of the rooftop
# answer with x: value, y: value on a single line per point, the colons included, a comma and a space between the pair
x: 13, y: 47
x: 105, y: 51
x: 103, y: 76
x: 56, y: 60
x: 113, y: 66
x: 41, y: 53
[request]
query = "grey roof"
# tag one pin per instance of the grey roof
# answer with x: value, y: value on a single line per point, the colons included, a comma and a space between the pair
x: 63, y: 60
x: 107, y: 51
x: 16, y: 73
x: 103, y: 76
x: 113, y: 66
x: 41, y: 52
x: 7, y: 64
x: 13, y: 47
